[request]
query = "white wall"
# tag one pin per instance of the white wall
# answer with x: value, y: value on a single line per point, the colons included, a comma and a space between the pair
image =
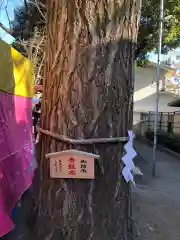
x: 170, y: 57
x: 145, y: 93
x: 146, y: 76
x: 136, y: 117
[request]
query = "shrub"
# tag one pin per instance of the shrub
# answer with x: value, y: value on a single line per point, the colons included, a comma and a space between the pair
x: 170, y: 141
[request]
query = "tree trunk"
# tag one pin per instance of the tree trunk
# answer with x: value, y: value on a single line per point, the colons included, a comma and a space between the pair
x: 88, y: 93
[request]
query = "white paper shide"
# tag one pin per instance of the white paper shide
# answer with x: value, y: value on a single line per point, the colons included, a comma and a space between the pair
x: 128, y: 159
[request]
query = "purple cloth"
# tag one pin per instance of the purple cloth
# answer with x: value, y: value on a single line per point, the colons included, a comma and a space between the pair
x: 16, y: 154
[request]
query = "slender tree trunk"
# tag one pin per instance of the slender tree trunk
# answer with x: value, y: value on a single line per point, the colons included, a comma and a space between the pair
x: 89, y: 78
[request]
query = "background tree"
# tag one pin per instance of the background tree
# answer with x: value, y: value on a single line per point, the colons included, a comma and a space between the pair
x: 149, y: 27
x: 148, y: 31
x: 28, y: 28
x: 88, y: 93
x: 27, y: 18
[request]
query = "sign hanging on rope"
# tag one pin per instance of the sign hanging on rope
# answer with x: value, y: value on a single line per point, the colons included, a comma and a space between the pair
x: 72, y: 164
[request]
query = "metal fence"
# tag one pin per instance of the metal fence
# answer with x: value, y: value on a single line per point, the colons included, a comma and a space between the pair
x: 167, y: 121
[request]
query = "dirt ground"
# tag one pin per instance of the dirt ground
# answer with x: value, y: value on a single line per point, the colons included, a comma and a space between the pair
x: 156, y: 201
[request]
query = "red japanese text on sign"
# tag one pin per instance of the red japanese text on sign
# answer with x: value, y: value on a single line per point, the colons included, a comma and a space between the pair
x: 71, y: 166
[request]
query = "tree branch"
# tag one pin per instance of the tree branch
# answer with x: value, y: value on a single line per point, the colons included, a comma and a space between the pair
x: 7, y: 30
x: 8, y: 16
x: 10, y: 31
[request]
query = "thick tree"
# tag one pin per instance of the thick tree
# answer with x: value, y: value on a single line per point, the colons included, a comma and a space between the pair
x: 88, y: 93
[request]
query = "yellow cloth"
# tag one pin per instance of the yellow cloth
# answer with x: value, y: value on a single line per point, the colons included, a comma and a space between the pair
x: 16, y: 72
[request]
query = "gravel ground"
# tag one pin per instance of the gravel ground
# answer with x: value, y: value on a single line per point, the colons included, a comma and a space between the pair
x: 156, y: 201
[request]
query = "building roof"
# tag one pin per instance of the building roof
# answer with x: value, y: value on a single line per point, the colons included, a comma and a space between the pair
x: 175, y: 103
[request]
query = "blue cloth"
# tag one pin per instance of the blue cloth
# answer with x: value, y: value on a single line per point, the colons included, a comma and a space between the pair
x: 35, y: 100
x: 14, y: 212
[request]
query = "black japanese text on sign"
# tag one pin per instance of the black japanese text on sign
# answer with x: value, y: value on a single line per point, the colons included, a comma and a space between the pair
x: 83, y: 166
x: 58, y: 166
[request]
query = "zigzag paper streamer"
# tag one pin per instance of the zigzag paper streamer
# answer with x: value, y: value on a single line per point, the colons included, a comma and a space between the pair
x: 128, y: 159
x: 128, y: 175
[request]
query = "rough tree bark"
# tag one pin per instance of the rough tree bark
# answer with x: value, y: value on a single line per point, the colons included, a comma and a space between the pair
x: 88, y: 92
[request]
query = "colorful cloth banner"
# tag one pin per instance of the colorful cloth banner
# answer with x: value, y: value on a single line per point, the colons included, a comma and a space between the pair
x: 16, y: 153
x: 16, y: 72
x: 17, y: 162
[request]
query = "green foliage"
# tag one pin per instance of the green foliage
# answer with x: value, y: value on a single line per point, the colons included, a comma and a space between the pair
x: 28, y: 17
x: 149, y: 28
x: 170, y: 141
x: 142, y: 60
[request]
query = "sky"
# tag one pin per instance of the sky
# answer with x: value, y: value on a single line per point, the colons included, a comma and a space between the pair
x: 153, y: 57
x: 7, y: 6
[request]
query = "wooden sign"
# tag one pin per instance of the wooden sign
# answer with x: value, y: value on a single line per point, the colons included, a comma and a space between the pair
x: 72, y: 164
